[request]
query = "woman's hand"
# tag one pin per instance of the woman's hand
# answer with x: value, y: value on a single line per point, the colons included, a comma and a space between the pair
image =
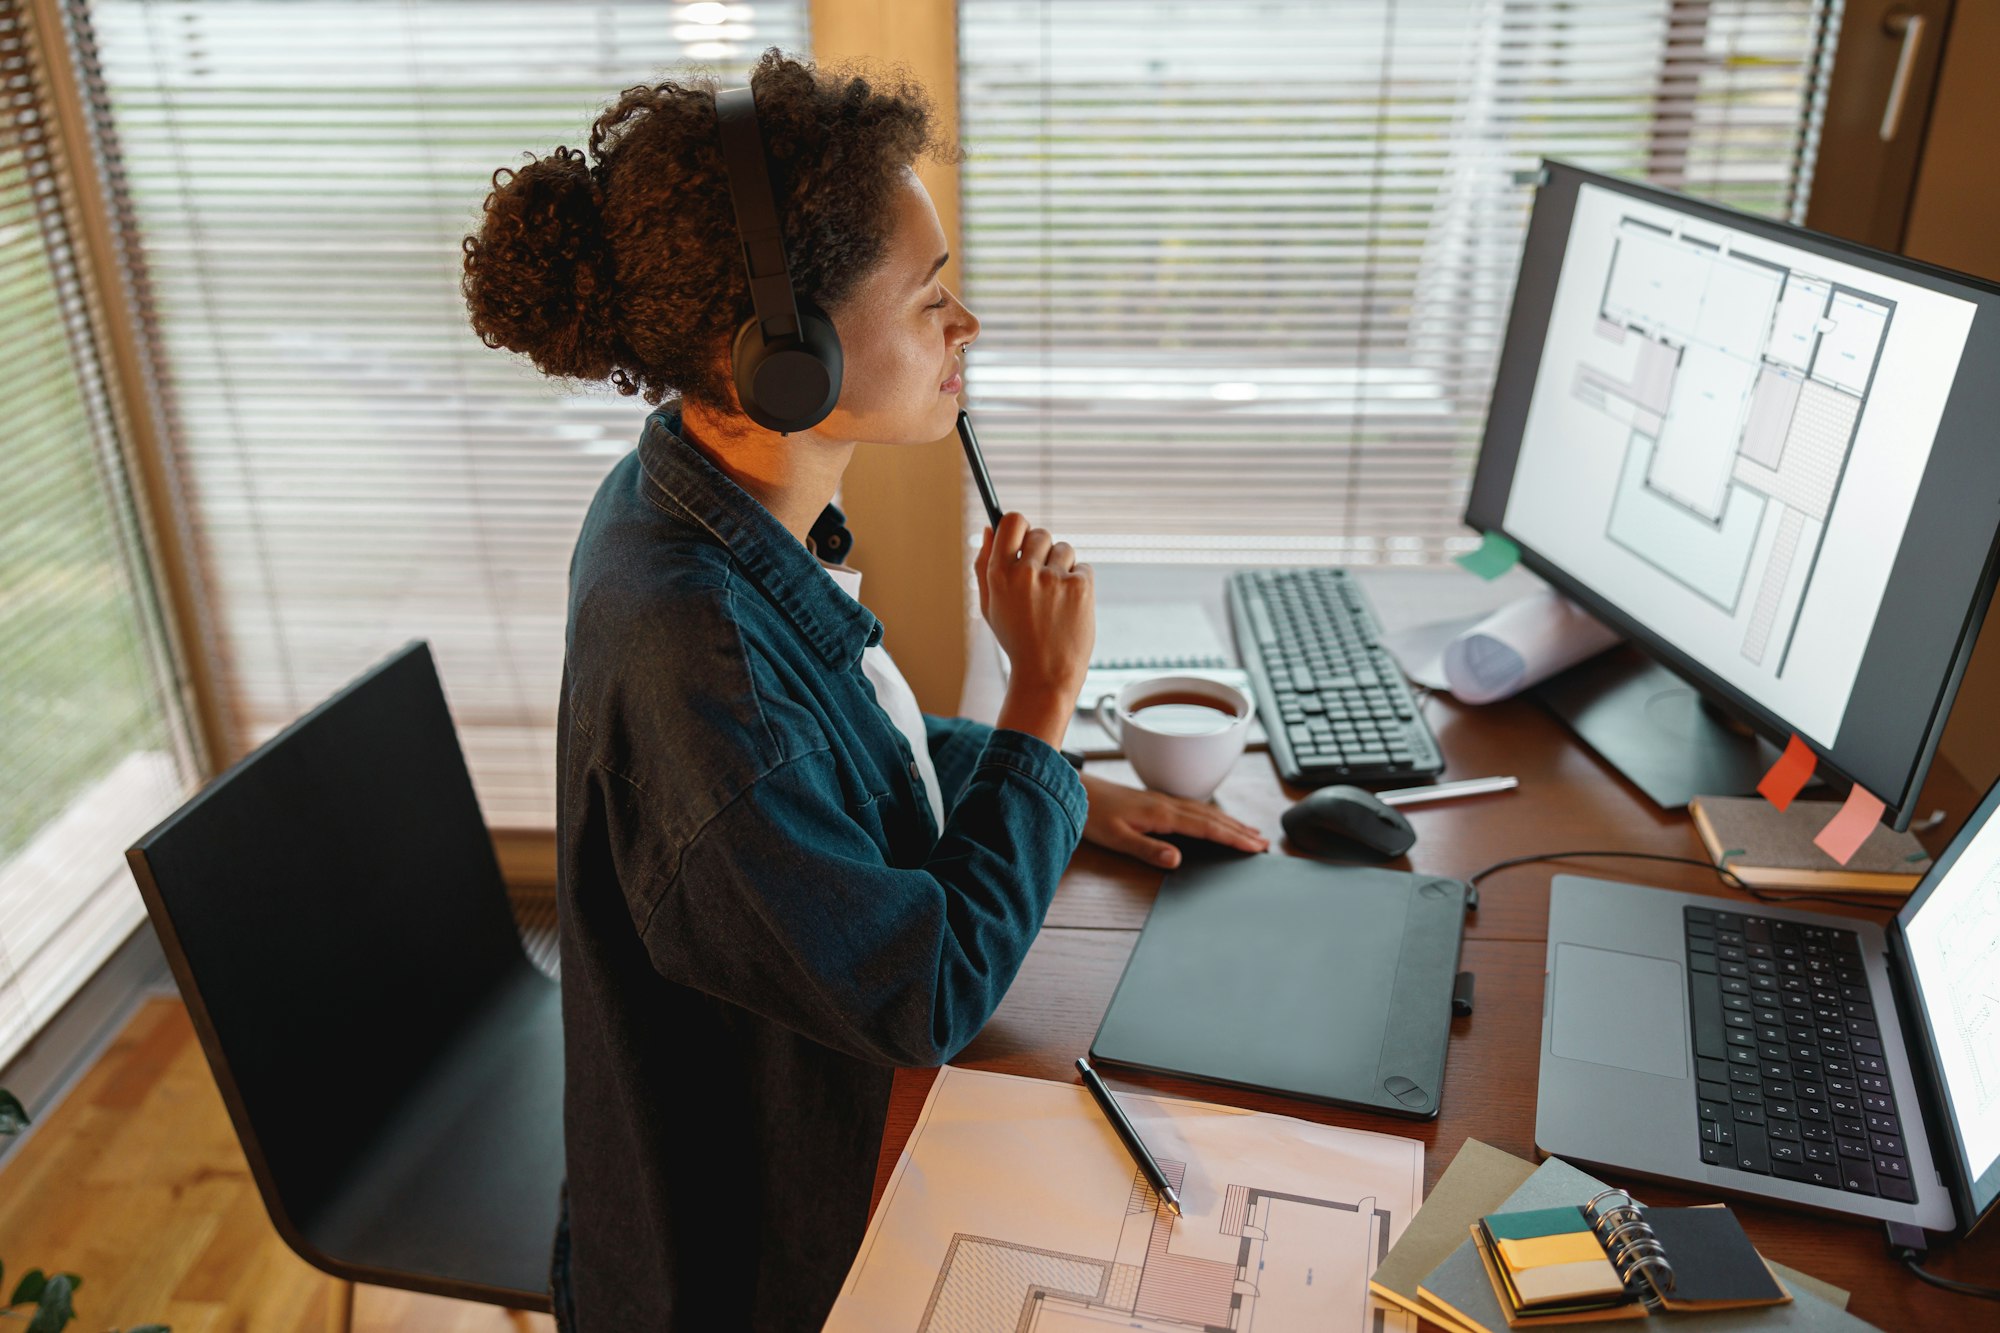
x: 1121, y: 817
x: 1042, y: 606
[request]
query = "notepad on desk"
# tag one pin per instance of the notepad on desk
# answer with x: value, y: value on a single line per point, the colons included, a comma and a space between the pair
x: 1140, y: 639
x: 1769, y: 848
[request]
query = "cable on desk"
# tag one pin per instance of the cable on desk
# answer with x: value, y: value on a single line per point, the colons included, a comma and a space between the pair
x: 1951, y: 1284
x: 1722, y: 872
x: 1906, y: 1242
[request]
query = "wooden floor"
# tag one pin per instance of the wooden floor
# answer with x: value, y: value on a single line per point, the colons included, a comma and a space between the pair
x: 136, y: 1183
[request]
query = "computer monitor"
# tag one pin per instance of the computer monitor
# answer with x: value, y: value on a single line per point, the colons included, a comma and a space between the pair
x: 1947, y: 939
x: 1771, y: 459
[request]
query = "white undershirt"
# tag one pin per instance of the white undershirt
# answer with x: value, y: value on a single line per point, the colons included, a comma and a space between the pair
x: 893, y: 693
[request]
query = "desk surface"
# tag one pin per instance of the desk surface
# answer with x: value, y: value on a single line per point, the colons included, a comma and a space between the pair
x: 1568, y: 799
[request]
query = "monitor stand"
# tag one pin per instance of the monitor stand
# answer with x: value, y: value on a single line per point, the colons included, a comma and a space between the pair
x: 1656, y: 729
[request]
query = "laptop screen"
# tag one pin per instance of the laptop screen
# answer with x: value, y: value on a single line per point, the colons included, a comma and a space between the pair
x: 1951, y: 928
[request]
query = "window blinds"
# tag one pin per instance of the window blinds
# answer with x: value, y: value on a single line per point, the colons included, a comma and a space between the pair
x: 361, y: 471
x: 1244, y: 265
x: 91, y: 752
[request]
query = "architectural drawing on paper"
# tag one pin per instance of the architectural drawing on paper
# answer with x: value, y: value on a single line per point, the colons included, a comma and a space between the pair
x: 1252, y: 1254
x: 1742, y: 383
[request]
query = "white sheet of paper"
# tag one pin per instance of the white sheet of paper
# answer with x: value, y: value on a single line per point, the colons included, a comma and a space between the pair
x: 1014, y: 1206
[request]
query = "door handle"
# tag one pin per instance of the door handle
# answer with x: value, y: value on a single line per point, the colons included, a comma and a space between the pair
x: 1910, y: 27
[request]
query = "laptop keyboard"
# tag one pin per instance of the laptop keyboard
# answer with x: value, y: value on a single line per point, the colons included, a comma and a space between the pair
x: 1788, y: 1056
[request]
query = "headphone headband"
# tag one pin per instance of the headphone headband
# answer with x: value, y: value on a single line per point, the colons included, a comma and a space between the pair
x: 787, y: 356
x: 756, y: 209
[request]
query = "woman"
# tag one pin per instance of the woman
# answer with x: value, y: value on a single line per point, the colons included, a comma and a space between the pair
x: 779, y: 879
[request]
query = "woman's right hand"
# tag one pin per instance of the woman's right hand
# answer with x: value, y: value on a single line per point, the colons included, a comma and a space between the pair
x: 1042, y: 606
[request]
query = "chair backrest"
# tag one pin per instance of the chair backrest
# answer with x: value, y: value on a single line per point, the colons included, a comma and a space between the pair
x: 332, y: 910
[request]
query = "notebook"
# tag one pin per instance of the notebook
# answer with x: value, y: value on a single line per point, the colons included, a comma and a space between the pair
x: 1479, y: 1180
x: 1459, y: 1293
x: 1769, y: 848
x: 1610, y: 1258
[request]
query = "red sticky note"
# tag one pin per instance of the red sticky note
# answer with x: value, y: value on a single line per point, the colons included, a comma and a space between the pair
x: 1789, y: 775
x: 1846, y: 831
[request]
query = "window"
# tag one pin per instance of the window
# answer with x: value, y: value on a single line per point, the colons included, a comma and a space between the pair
x: 1244, y: 265
x: 91, y: 748
x: 296, y: 178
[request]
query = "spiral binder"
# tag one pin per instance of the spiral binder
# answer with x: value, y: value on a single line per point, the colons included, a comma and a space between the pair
x: 1162, y: 662
x: 1633, y: 1248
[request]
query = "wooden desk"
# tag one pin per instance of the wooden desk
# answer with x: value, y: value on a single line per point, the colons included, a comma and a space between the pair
x: 1568, y: 799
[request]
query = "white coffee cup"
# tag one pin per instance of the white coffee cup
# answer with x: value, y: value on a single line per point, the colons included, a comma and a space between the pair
x: 1184, y: 749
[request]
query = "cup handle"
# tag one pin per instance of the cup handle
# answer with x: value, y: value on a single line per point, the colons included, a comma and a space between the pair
x: 1107, y: 717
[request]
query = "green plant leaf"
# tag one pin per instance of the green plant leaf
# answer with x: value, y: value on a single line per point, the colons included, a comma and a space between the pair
x: 29, y: 1288
x: 54, y: 1310
x: 13, y: 1115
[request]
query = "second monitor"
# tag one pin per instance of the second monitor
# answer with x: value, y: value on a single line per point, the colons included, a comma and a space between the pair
x: 1767, y: 457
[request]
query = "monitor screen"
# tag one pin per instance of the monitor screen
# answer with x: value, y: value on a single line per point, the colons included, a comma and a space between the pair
x: 1763, y: 454
x: 1951, y: 943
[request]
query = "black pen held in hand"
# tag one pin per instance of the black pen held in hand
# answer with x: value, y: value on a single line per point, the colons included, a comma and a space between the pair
x: 980, y: 478
x: 1128, y: 1136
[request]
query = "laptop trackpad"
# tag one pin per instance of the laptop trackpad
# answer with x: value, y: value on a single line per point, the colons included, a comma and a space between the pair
x: 1620, y: 1009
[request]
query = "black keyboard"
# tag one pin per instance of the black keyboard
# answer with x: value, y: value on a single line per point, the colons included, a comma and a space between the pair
x: 1788, y: 1053
x: 1333, y: 700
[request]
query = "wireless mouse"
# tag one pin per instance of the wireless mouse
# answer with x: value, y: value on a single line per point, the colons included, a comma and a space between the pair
x: 1349, y: 823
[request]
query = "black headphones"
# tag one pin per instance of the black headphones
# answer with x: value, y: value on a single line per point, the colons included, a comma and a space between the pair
x: 787, y: 355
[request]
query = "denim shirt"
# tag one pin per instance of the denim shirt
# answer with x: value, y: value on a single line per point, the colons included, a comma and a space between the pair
x: 759, y: 915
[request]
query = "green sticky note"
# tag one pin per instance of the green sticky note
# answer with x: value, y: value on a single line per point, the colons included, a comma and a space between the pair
x: 1495, y: 556
x: 1536, y: 1222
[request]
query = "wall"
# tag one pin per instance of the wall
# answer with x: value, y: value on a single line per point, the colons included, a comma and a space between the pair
x: 1952, y: 221
x: 905, y: 504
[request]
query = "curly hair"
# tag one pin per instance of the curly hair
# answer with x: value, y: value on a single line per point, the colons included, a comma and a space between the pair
x: 626, y: 265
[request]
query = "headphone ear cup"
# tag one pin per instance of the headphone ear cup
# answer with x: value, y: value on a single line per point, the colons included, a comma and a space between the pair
x: 791, y: 384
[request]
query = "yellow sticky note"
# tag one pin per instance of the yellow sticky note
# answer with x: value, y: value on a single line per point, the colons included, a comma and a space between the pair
x: 1575, y: 1248
x: 1567, y: 1282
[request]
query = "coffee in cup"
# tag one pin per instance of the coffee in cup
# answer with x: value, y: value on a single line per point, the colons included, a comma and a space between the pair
x: 1181, y: 734
x: 1183, y: 712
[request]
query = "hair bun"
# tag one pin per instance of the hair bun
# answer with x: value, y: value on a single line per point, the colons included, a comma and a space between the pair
x: 538, y: 275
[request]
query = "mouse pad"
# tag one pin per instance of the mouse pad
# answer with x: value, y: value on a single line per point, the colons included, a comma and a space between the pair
x: 1291, y: 975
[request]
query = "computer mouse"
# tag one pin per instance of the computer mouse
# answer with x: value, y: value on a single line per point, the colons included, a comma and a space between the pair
x: 1350, y: 823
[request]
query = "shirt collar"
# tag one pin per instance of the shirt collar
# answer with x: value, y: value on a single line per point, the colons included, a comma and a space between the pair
x: 790, y: 576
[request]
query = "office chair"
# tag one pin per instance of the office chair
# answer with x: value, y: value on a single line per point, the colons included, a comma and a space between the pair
x: 391, y: 1060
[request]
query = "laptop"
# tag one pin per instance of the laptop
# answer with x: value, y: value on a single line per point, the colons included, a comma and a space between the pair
x: 1820, y: 1061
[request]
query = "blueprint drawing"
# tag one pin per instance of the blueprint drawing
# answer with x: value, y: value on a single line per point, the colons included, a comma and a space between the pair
x: 1740, y: 385
x: 1260, y: 1252
x: 1015, y: 1209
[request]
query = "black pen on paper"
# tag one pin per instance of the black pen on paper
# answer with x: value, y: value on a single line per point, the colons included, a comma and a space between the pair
x: 1128, y: 1136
